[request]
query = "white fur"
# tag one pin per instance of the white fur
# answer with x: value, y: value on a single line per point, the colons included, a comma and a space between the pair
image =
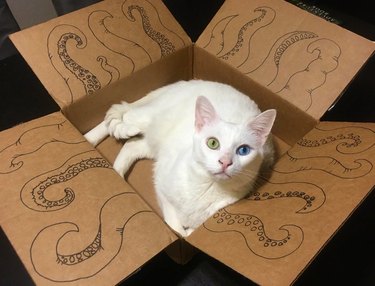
x: 191, y: 180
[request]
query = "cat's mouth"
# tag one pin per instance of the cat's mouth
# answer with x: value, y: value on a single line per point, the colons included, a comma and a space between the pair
x: 222, y: 175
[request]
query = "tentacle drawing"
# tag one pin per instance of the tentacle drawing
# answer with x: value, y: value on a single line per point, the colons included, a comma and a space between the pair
x: 128, y: 48
x: 57, y: 263
x: 291, y: 164
x: 216, y: 41
x: 34, y: 192
x: 154, y: 28
x: 80, y: 256
x: 112, y: 70
x: 344, y: 140
x: 273, y: 59
x: 313, y: 195
x: 67, y: 67
x: 315, y: 75
x: 31, y: 141
x: 236, y: 56
x: 253, y: 231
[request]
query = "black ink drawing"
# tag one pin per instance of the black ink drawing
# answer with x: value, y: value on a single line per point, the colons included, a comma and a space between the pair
x: 312, y: 194
x: 345, y: 140
x: 253, y: 231
x: 130, y: 49
x: 12, y: 156
x: 308, y: 58
x: 355, y: 169
x: 245, y: 34
x: 78, y: 79
x: 81, y: 80
x: 52, y: 263
x: 216, y: 41
x: 112, y: 70
x: 152, y: 25
x: 33, y: 193
x: 254, y: 235
x: 276, y: 52
x: 238, y: 53
x: 314, y: 75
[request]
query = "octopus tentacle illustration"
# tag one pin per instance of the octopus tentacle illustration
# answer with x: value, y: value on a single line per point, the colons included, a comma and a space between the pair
x: 344, y: 140
x: 216, y: 41
x: 358, y: 168
x: 245, y: 35
x: 313, y: 195
x: 66, y: 66
x: 275, y: 54
x: 33, y: 194
x: 78, y: 257
x: 112, y: 70
x: 31, y: 141
x: 152, y: 25
x: 51, y: 261
x: 253, y: 231
x: 127, y: 48
x: 315, y: 74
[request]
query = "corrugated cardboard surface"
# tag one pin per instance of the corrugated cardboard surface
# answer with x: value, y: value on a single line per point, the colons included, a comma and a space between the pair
x: 271, y: 236
x: 79, y: 53
x: 304, y: 59
x: 67, y: 213
x: 275, y: 233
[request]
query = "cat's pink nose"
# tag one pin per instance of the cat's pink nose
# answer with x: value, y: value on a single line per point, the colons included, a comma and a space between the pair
x: 225, y: 163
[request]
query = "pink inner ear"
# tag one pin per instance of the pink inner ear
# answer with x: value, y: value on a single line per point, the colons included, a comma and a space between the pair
x: 204, y: 113
x: 261, y: 126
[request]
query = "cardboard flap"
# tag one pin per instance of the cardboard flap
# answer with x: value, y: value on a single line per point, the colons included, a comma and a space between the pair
x: 301, y: 57
x: 276, y: 232
x: 79, y: 53
x: 68, y: 214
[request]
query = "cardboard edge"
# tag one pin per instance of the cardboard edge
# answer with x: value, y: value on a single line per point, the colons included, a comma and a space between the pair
x: 350, y: 82
x: 333, y: 235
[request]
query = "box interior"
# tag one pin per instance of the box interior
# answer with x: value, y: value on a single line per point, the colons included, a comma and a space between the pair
x: 188, y: 63
x: 323, y: 171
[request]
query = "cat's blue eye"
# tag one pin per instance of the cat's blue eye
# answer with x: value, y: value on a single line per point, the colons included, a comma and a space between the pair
x: 243, y: 150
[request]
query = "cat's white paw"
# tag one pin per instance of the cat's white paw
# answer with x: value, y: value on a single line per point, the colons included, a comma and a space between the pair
x: 116, y: 123
x: 123, y: 130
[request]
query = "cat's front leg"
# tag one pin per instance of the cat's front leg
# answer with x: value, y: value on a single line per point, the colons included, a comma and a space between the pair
x: 170, y: 215
x: 97, y: 134
x: 133, y: 149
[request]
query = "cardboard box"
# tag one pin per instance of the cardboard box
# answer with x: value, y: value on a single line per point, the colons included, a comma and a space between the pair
x: 85, y: 225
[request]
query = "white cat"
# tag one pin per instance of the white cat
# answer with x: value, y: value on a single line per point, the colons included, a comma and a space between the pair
x: 208, y: 141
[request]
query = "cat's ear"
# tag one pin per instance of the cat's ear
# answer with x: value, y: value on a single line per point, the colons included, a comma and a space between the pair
x: 261, y: 126
x: 204, y: 113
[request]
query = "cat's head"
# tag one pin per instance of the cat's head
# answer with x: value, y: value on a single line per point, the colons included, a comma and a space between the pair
x: 227, y: 150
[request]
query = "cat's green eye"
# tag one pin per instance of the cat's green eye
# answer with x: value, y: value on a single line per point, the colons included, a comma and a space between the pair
x: 213, y: 143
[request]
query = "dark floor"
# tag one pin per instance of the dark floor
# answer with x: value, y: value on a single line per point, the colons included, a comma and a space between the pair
x: 348, y: 259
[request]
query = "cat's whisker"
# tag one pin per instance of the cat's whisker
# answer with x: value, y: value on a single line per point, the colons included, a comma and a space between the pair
x: 259, y: 178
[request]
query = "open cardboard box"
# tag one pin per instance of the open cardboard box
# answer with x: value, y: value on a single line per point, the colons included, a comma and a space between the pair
x: 73, y: 220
